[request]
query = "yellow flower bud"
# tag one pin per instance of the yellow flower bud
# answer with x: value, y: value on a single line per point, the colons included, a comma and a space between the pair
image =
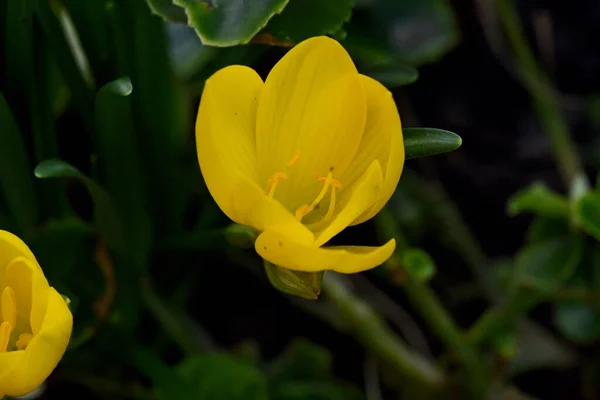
x: 35, y: 321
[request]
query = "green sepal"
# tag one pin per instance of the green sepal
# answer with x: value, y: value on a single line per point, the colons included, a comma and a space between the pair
x: 240, y: 236
x: 306, y: 285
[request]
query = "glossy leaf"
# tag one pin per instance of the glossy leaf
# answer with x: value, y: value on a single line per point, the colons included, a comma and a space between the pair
x: 219, y: 376
x: 540, y: 200
x: 302, y: 19
x: 588, y: 213
x: 224, y: 23
x: 392, y: 75
x: 418, y: 264
x: 579, y: 322
x: 167, y: 10
x: 421, y: 142
x: 105, y: 214
x: 550, y: 263
x: 16, y: 181
x: 296, y: 283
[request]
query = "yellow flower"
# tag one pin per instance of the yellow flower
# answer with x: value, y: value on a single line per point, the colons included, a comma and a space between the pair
x: 35, y: 321
x: 315, y: 148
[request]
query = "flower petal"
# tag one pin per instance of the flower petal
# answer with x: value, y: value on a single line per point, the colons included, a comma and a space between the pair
x: 363, y: 195
x: 293, y: 85
x: 282, y: 250
x: 31, y: 290
x: 328, y: 140
x: 10, y: 247
x: 24, y: 370
x: 225, y: 131
x: 263, y: 212
x: 381, y: 140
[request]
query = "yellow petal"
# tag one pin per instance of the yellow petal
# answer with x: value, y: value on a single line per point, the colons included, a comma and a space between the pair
x: 381, y: 140
x: 10, y: 247
x: 262, y: 212
x: 225, y: 131
x: 328, y: 139
x: 31, y: 290
x: 363, y: 195
x: 23, y: 370
x: 282, y: 250
x: 294, y: 84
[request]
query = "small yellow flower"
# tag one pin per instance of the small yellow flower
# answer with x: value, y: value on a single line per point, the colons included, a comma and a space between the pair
x: 315, y: 148
x: 35, y: 321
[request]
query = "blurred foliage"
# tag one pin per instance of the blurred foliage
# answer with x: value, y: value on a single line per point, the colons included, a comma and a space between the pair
x: 98, y: 174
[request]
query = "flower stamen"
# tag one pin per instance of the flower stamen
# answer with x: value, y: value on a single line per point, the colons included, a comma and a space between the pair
x: 328, y: 181
x: 274, y: 181
x: 331, y: 207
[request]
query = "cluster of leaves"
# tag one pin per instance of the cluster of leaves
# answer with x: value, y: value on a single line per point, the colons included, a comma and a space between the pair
x: 561, y: 260
x: 98, y: 171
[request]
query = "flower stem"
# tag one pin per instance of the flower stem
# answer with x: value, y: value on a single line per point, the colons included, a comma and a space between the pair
x: 419, y: 375
x: 546, y: 102
x: 436, y: 316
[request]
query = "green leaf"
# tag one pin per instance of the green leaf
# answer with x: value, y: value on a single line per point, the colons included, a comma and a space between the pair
x: 224, y: 23
x: 419, y: 264
x: 539, y: 200
x: 16, y: 181
x: 301, y: 360
x: 119, y: 163
x: 579, y: 322
x: 105, y: 214
x: 167, y: 10
x: 548, y: 264
x: 28, y: 89
x: 302, y: 19
x: 414, y: 32
x: 219, y: 376
x: 392, y: 75
x: 421, y: 142
x: 544, y: 228
x: 70, y: 57
x: 156, y: 105
x: 588, y: 213
x: 296, y: 283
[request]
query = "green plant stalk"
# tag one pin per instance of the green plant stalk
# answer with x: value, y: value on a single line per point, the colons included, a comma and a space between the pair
x: 417, y: 372
x: 502, y: 316
x: 346, y: 312
x: 465, y: 242
x: 546, y: 102
x: 436, y: 316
